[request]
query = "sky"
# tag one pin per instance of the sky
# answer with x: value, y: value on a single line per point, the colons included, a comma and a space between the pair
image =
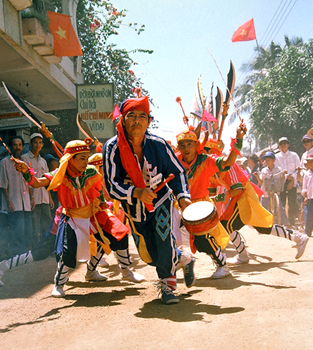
x: 181, y: 33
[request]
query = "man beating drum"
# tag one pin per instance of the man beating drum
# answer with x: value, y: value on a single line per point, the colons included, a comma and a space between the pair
x: 199, y: 168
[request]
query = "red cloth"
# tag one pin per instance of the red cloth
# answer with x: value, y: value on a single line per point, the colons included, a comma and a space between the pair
x: 207, y: 117
x: 139, y: 104
x: 75, y: 198
x: 233, y: 176
x: 245, y: 32
x: 129, y: 162
x: 111, y: 224
x: 65, y: 39
x: 199, y: 173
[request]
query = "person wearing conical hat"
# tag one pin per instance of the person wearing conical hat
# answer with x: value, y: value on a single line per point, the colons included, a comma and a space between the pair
x: 79, y: 188
x: 135, y: 163
x: 200, y: 167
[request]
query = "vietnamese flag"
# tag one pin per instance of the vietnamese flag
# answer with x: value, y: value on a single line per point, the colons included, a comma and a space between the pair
x: 65, y: 39
x: 245, y: 32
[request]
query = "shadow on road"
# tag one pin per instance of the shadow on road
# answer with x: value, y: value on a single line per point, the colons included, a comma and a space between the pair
x: 187, y: 310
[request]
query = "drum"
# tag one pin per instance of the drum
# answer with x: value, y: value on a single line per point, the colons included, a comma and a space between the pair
x: 199, y: 218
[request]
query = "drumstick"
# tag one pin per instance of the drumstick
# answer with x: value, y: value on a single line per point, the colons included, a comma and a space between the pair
x: 168, y: 179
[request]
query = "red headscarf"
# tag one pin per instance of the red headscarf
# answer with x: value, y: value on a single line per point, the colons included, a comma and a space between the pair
x: 132, y: 104
x: 128, y: 159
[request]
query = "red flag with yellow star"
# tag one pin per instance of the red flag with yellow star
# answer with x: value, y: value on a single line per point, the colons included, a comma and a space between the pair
x: 245, y: 32
x: 65, y: 39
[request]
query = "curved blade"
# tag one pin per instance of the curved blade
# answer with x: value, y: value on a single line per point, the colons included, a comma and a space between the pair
x: 218, y: 109
x: 230, y: 83
x: 83, y: 127
x: 200, y: 92
x: 230, y: 88
x: 21, y: 106
x: 197, y: 130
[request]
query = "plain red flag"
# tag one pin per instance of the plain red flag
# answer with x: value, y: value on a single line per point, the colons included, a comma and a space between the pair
x: 245, y: 32
x: 65, y: 39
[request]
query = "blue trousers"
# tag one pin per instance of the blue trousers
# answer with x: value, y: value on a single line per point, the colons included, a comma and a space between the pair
x: 159, y: 240
x: 20, y: 231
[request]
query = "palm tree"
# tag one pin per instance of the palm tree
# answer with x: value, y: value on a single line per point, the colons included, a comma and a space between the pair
x: 256, y: 69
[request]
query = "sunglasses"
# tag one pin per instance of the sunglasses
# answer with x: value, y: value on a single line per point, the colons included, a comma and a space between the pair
x: 307, y: 141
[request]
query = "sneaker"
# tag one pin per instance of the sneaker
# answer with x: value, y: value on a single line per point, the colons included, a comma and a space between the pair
x: 168, y: 297
x: 58, y: 292
x: 103, y: 263
x: 189, y: 275
x: 130, y: 275
x: 94, y: 276
x: 242, y: 258
x: 221, y: 272
x: 301, y: 242
x: 187, y: 262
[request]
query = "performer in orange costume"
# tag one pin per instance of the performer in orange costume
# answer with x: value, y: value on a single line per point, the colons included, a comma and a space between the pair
x: 199, y: 168
x: 79, y: 188
x: 245, y: 208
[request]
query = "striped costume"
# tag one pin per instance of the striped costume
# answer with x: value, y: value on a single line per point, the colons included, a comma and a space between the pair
x: 152, y: 231
x: 199, y: 172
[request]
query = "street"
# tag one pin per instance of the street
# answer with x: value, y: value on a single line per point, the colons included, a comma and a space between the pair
x: 266, y: 304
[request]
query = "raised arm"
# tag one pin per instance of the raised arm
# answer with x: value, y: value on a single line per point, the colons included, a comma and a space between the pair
x: 29, y: 175
x: 231, y: 158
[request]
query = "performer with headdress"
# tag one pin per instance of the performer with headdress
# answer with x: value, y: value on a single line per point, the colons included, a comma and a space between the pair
x: 135, y: 162
x: 79, y: 187
x: 244, y: 208
x: 200, y: 167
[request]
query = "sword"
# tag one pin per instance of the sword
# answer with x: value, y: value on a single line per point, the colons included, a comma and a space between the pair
x: 229, y: 90
x: 83, y: 127
x: 218, y: 110
x: 28, y: 114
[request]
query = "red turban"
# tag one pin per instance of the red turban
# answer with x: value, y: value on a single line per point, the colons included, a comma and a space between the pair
x: 132, y: 104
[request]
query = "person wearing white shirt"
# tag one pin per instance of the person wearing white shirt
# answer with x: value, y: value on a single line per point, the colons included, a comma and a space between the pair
x: 271, y: 169
x: 289, y: 161
x: 15, y: 201
x: 307, y: 193
x: 308, y: 145
x: 41, y: 201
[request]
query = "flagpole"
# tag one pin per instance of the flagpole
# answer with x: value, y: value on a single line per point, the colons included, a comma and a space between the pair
x: 257, y: 45
x: 256, y: 40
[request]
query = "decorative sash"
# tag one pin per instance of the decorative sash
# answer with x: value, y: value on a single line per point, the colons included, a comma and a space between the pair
x: 129, y: 162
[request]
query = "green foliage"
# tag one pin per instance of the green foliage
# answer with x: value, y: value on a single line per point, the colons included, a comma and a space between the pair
x: 97, y: 21
x: 102, y: 62
x: 67, y: 129
x: 39, y: 10
x: 282, y: 101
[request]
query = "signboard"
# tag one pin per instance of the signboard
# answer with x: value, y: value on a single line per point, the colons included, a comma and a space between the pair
x: 13, y: 120
x: 95, y: 103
